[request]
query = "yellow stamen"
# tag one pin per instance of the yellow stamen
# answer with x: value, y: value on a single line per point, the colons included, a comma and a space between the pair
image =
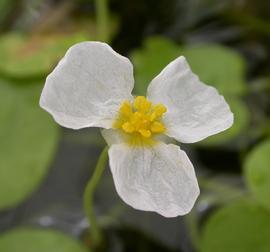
x: 160, y: 109
x: 128, y: 127
x: 142, y: 104
x: 157, y: 127
x: 140, y: 120
x: 145, y: 133
x: 126, y: 109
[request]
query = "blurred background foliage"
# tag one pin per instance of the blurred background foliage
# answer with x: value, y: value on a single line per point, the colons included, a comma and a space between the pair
x: 44, y: 169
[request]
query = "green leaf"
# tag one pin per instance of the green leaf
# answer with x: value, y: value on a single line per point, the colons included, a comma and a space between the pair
x: 29, y: 139
x: 239, y: 227
x: 23, y: 56
x: 218, y: 66
x: 215, y: 65
x: 241, y: 121
x: 151, y: 59
x: 38, y: 240
x: 257, y: 172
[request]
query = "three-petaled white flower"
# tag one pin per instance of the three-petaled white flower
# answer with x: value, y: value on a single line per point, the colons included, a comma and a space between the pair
x: 91, y: 87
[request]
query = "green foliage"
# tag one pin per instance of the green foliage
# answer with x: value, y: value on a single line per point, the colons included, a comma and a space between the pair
x: 241, y: 121
x: 28, y: 142
x: 218, y: 66
x: 34, y: 239
x: 257, y: 172
x: 23, y: 56
x: 242, y: 226
x: 214, y: 64
x: 151, y: 59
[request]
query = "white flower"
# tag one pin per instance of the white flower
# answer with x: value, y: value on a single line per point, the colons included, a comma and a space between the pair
x: 91, y: 87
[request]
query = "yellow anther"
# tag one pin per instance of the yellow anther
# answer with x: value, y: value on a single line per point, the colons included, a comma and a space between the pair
x: 157, y: 127
x: 126, y: 109
x: 140, y: 120
x: 142, y: 104
x: 160, y: 109
x: 153, y: 116
x: 137, y: 115
x: 128, y: 127
x: 145, y: 133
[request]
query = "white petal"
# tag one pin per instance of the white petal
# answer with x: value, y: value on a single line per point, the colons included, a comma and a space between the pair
x: 159, y: 179
x: 87, y: 86
x: 195, y: 110
x: 112, y: 136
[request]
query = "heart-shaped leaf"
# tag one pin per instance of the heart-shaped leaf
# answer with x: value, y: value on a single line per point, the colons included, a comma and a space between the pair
x: 23, y: 56
x: 239, y: 227
x: 28, y: 142
x: 218, y: 66
x: 257, y: 172
x: 38, y: 240
x: 151, y: 59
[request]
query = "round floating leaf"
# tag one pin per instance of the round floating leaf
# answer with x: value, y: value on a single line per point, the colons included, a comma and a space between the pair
x: 38, y: 240
x: 240, y: 227
x: 241, y: 121
x: 218, y: 66
x: 28, y: 142
x: 151, y: 59
x: 23, y: 56
x: 257, y: 172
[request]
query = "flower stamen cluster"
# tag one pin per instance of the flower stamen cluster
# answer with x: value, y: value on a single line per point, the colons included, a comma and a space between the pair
x: 141, y: 118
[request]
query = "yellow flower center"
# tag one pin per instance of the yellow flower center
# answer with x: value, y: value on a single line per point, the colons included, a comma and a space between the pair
x: 141, y: 120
